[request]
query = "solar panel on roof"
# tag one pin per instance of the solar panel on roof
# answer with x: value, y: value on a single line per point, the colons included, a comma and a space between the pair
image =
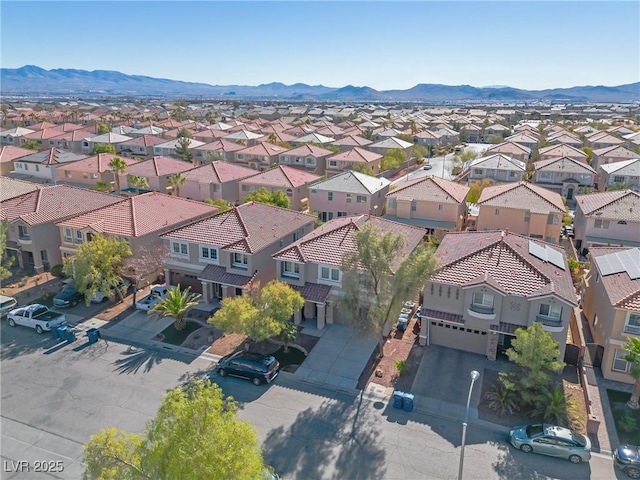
x: 537, y: 250
x: 555, y: 257
x: 631, y: 260
x: 618, y: 262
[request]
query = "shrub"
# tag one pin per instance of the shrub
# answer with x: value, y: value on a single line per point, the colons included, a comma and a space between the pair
x: 56, y: 271
x: 627, y: 424
x: 554, y: 406
x: 502, y: 400
x: 401, y: 367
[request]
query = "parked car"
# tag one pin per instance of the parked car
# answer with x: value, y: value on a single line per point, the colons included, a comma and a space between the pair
x: 36, y: 316
x: 69, y: 296
x: 567, y: 230
x: 627, y: 459
x: 252, y: 366
x: 551, y: 440
x: 427, y: 166
x: 100, y: 296
x: 7, y: 304
x: 158, y: 292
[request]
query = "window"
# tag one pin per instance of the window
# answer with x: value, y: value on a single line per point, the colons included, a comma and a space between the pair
x: 246, y: 188
x: 414, y: 206
x: 240, y: 260
x: 298, y: 159
x: 67, y: 174
x: 478, y: 171
x: 37, y: 168
x: 618, y: 179
x: 361, y: 199
x: 180, y: 248
x: 440, y: 207
x: 632, y: 324
x: 289, y: 192
x: 310, y: 161
x: 619, y: 363
x: 527, y: 216
x: 290, y: 269
x: 26, y: 166
x: 512, y: 174
x: 23, y: 232
x: 622, y: 222
x: 485, y: 299
x: 330, y: 273
x: 330, y: 196
x: 333, y: 163
x: 551, y: 311
x: 348, y: 198
x: 68, y: 235
x: 94, y: 175
x: 208, y: 254
x: 240, y: 156
x: 497, y: 212
x: 546, y: 175
x: 79, y: 237
x: 392, y: 203
x: 601, y: 223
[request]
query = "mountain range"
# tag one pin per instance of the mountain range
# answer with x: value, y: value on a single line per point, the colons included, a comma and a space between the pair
x: 31, y: 80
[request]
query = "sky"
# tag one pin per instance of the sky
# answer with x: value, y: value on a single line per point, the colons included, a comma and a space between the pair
x: 381, y: 44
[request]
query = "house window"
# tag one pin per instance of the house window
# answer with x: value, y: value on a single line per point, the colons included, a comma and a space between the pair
x: 478, y: 171
x: 289, y: 192
x: 632, y: 324
x: 361, y: 199
x: 246, y: 188
x: 497, y: 212
x: 290, y: 269
x: 342, y: 214
x: 240, y: 156
x: 295, y: 236
x: 440, y: 207
x: 618, y: 179
x: 23, y: 232
x: 550, y: 311
x: 26, y: 166
x: 553, y: 219
x: 392, y: 203
x: 601, y: 223
x: 330, y: 196
x: 67, y: 174
x: 68, y: 235
x: 79, y: 237
x: 512, y: 174
x: 546, y: 175
x: 527, y: 216
x: 333, y: 163
x: 330, y: 273
x: 208, y: 254
x: 311, y: 161
x: 619, y: 363
x: 348, y: 198
x: 298, y: 159
x: 94, y: 175
x: 240, y: 260
x: 180, y: 248
x: 414, y: 206
x: 37, y: 168
x: 482, y: 303
x: 622, y: 222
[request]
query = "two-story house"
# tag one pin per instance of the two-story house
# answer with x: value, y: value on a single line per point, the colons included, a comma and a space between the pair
x: 607, y: 218
x: 260, y: 156
x: 384, y: 146
x: 292, y: 182
x: 351, y: 141
x: 348, y: 193
x: 564, y: 175
x: 156, y: 171
x: 561, y: 151
x: 90, y: 171
x: 224, y: 255
x: 44, y: 164
x: 8, y: 154
x: 489, y: 284
x: 497, y: 168
x: 32, y: 238
x: 626, y: 172
x: 511, y: 149
x: 139, y: 147
x: 313, y: 264
x: 224, y: 150
x: 613, y: 154
x: 611, y: 303
x: 307, y: 157
x: 169, y: 148
x: 432, y: 203
x: 344, y: 161
x: 216, y: 180
x: 602, y: 139
x: 104, y: 139
x: 522, y: 208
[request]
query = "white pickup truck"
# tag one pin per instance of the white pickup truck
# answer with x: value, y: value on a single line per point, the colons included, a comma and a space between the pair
x: 36, y: 316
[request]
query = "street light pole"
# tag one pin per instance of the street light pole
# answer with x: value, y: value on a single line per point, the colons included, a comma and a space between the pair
x: 474, y: 376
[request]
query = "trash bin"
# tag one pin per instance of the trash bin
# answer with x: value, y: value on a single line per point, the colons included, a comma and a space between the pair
x: 398, y: 399
x: 70, y: 335
x: 55, y: 333
x: 402, y: 324
x: 407, y: 402
x: 93, y: 334
x: 62, y: 332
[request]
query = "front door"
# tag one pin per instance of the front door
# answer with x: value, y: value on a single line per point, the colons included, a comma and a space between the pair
x: 570, y: 193
x: 217, y: 290
x: 504, y: 343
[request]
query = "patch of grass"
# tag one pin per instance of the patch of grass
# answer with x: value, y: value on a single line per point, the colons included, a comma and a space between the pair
x: 177, y: 337
x: 292, y: 357
x: 627, y: 421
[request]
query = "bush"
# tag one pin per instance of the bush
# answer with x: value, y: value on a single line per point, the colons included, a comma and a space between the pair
x: 502, y: 400
x: 401, y: 367
x: 56, y: 271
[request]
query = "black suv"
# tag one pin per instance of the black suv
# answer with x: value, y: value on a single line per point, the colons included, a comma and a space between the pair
x: 252, y: 366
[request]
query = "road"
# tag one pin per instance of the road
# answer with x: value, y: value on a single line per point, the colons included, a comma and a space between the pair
x: 55, y: 397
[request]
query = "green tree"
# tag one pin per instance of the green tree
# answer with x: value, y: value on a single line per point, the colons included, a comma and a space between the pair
x: 176, y: 304
x: 553, y: 406
x: 393, y: 159
x: 183, y: 150
x: 273, y: 138
x: 97, y: 265
x: 535, y: 354
x: 632, y: 355
x: 138, y: 182
x: 589, y: 152
x: 618, y: 186
x: 31, y: 145
x: 6, y: 260
x: 379, y: 278
x: 495, y: 139
x: 475, y: 190
x: 184, y: 133
x: 259, y: 315
x: 118, y: 167
x: 419, y: 151
x: 103, y: 187
x: 463, y: 135
x: 174, y: 182
x: 277, y: 198
x: 195, y: 435
x: 363, y: 168
x: 462, y: 160
x: 103, y: 128
x: 222, y: 204
x: 103, y: 148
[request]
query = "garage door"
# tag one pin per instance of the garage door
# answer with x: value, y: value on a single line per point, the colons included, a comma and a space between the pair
x: 458, y: 337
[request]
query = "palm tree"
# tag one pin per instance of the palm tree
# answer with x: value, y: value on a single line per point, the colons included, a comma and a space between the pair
x: 138, y: 182
x: 174, y: 182
x: 118, y: 167
x: 632, y: 356
x: 273, y: 138
x: 103, y: 187
x: 176, y: 304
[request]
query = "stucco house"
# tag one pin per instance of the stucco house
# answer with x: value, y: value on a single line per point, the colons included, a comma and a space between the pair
x: 90, y: 170
x: 344, y: 161
x: 168, y: 148
x: 510, y: 149
x: 43, y: 164
x: 382, y: 147
x: 626, y: 172
x: 105, y: 139
x: 291, y: 181
x: 497, y: 168
x: 218, y: 150
x: 613, y: 154
x: 350, y: 141
x: 307, y: 157
x: 564, y: 175
x: 156, y: 170
x: 562, y: 150
x: 139, y: 147
x: 8, y: 154
x: 216, y: 180
x: 260, y: 156
x: 488, y: 284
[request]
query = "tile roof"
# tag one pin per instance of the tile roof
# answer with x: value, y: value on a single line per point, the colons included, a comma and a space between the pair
x: 143, y: 141
x: 562, y: 150
x: 223, y: 145
x: 11, y: 187
x: 615, y: 151
x: 352, y: 182
x: 96, y: 163
x: 9, y: 153
x: 248, y: 228
x: 328, y: 243
x: 509, y: 147
x: 52, y: 156
x: 357, y: 154
x: 392, y: 142
x: 263, y: 148
x: 502, y: 260
x: 621, y: 290
x: 499, y: 161
x: 281, y: 177
x: 505, y: 327
x: 627, y: 167
x: 54, y: 203
x: 564, y: 164
x: 218, y: 172
x: 523, y: 196
x: 243, y: 135
x: 352, y: 140
x: 315, y: 138
x: 449, y: 317
x: 158, y: 167
x: 309, y: 150
x: 109, y: 138
x: 615, y: 205
x: 313, y: 292
x: 140, y: 214
x: 217, y: 274
x: 432, y: 189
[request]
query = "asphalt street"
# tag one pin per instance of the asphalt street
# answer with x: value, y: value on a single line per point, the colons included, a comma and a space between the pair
x: 55, y: 396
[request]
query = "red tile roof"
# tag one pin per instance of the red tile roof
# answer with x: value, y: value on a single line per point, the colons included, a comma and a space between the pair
x: 159, y: 167
x: 248, y: 228
x: 281, y: 177
x: 96, y: 163
x: 309, y: 150
x: 54, y: 203
x: 524, y: 196
x: 502, y: 261
x: 217, y: 274
x: 617, y: 204
x: 313, y: 292
x: 10, y: 153
x: 218, y: 172
x: 141, y: 214
x: 433, y: 189
x: 357, y: 154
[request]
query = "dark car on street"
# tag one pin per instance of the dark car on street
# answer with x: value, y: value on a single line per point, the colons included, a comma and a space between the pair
x: 252, y: 366
x: 69, y: 296
x: 627, y: 459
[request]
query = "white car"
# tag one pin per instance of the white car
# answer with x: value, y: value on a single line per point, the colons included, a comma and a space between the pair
x: 158, y: 292
x: 100, y: 296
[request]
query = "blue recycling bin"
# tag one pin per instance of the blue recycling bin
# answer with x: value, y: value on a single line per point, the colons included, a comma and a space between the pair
x: 398, y: 397
x: 93, y: 334
x: 402, y: 324
x: 70, y: 335
x: 407, y: 402
x: 62, y: 332
x: 55, y: 333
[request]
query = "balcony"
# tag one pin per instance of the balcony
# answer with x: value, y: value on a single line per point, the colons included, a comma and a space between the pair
x: 483, y: 312
x: 25, y: 239
x: 550, y: 324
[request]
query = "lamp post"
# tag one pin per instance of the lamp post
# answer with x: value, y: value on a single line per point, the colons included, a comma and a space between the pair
x: 474, y: 376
